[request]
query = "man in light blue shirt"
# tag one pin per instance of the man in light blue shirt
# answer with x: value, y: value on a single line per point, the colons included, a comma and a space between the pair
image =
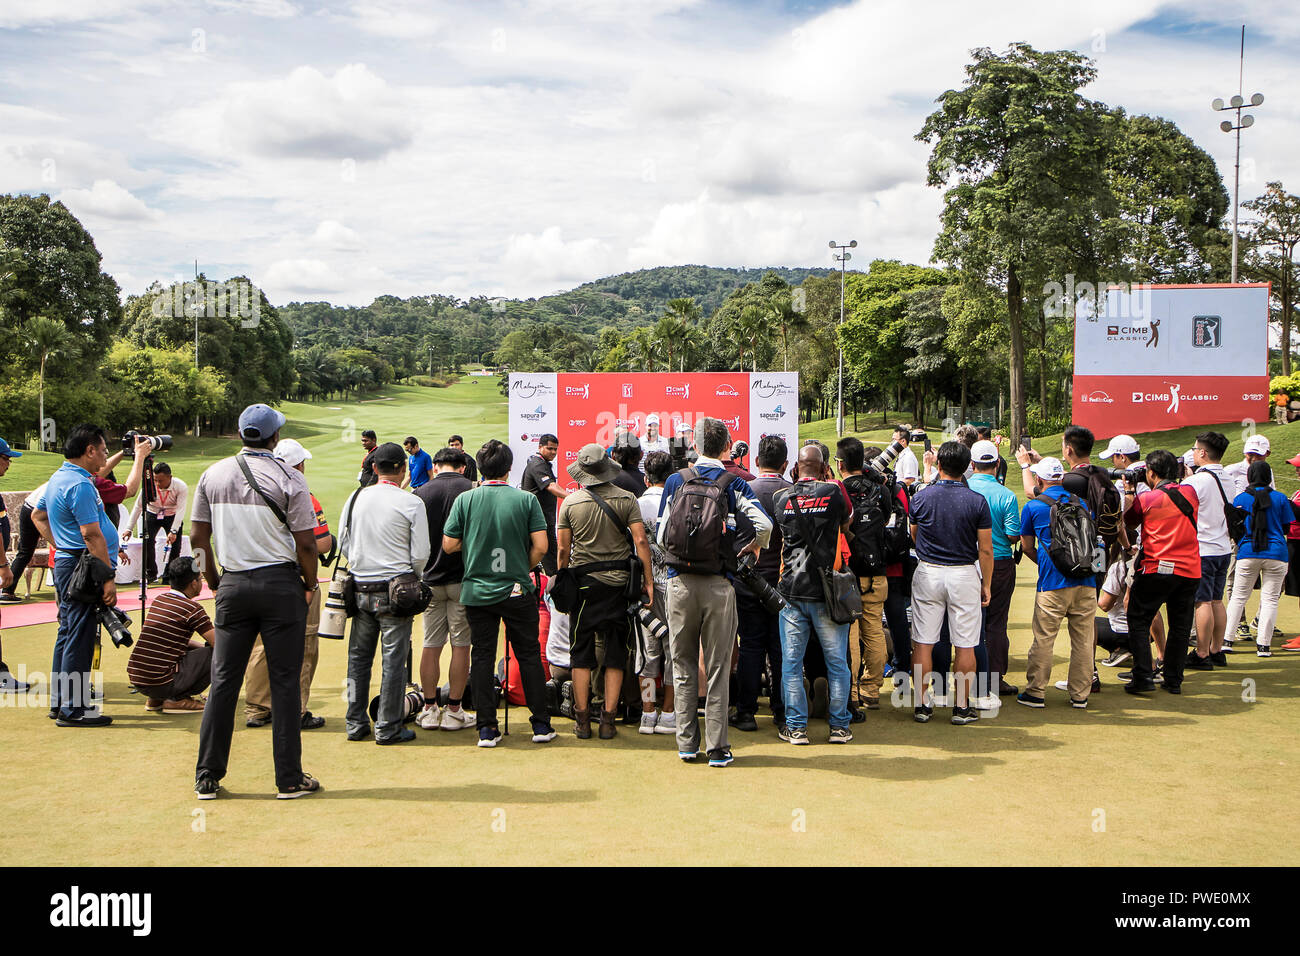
x: 1005, y: 510
x: 71, y: 514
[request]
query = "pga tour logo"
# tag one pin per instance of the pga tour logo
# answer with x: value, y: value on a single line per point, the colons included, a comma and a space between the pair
x: 577, y: 391
x: 627, y: 389
x: 726, y: 391
x: 678, y: 391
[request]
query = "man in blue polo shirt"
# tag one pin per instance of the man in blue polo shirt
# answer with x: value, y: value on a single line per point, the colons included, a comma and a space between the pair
x: 72, y: 514
x: 419, y: 464
x: 1059, y: 596
x: 952, y: 530
x: 1004, y: 508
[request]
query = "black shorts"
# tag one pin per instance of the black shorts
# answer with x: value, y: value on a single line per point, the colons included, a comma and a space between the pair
x: 601, y: 609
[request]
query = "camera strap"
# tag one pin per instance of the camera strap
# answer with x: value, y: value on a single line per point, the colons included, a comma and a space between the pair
x: 252, y: 481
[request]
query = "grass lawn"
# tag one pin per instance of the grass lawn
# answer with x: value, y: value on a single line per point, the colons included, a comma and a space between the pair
x: 1053, y: 786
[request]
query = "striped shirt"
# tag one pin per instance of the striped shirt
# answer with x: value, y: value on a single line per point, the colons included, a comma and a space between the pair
x: 246, y: 533
x: 172, y: 618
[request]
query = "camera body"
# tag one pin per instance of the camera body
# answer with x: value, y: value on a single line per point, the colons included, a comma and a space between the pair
x: 653, y: 624
x: 680, y: 450
x: 116, y: 623
x: 156, y: 442
x: 1132, y: 476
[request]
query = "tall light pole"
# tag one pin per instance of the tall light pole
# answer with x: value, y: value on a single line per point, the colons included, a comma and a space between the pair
x: 1237, y: 104
x: 839, y: 391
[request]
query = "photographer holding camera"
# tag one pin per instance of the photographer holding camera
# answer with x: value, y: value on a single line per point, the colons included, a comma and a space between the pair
x: 385, y: 539
x: 71, y: 514
x: 170, y: 495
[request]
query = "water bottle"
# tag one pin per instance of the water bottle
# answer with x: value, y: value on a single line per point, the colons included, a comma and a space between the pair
x: 1099, y: 555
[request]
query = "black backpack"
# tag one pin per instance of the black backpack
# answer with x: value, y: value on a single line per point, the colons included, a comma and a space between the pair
x: 1074, y: 537
x: 696, y: 538
x: 872, y: 545
x: 1104, y: 500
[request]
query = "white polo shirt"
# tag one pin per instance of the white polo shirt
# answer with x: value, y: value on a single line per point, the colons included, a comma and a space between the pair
x: 907, y: 466
x: 1211, y: 526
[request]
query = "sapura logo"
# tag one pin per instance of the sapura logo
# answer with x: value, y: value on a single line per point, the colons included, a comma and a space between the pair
x: 627, y: 389
x: 1097, y: 397
x: 774, y: 415
x: 1128, y: 333
x: 725, y: 391
x: 577, y: 422
x: 526, y: 389
x: 678, y: 391
x: 536, y: 415
x: 577, y: 391
x: 767, y: 388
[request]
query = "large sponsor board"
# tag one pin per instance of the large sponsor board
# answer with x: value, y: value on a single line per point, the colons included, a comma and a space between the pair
x: 580, y: 408
x: 1151, y: 358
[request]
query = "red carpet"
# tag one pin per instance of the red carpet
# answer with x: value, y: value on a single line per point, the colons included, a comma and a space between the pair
x: 45, y: 612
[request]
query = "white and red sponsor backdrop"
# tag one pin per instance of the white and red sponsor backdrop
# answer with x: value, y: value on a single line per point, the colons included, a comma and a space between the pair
x: 1157, y: 357
x: 579, y: 408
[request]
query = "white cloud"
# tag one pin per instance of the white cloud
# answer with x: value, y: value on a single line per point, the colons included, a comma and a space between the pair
x: 276, y: 9
x: 20, y: 14
x: 332, y: 234
x: 301, y: 279
x: 393, y: 20
x: 548, y: 261
x: 107, y: 200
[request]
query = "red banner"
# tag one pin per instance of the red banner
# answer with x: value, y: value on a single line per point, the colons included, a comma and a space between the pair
x: 592, y: 408
x: 1127, y: 404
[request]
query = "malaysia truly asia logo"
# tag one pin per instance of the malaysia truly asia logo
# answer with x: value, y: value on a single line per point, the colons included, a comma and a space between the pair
x: 527, y: 389
x: 768, y: 388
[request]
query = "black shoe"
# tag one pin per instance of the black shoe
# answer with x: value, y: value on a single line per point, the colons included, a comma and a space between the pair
x: 363, y: 734
x: 206, y: 786
x: 1007, y: 690
x: 1195, y: 662
x: 100, y: 720
x: 401, y: 737
x: 1173, y: 689
x: 53, y: 714
x: 312, y: 723
x: 9, y: 684
x: 1078, y: 704
x: 257, y: 721
x: 1029, y: 700
x: 720, y: 757
x: 1219, y: 659
x: 1140, y: 687
x: 858, y: 716
x: 743, y: 721
x: 964, y: 715
x: 566, y: 699
x: 308, y: 785
x: 921, y: 713
x: 1096, y: 682
x: 9, y: 597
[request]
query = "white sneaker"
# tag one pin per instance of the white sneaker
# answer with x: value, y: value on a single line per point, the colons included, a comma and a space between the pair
x: 1062, y: 685
x: 456, y: 719
x: 428, y: 718
x: 648, y: 722
x: 665, y: 723
x: 989, y: 702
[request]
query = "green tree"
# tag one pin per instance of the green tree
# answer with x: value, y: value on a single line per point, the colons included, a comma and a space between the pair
x: 1273, y: 238
x: 1022, y: 155
x: 47, y: 338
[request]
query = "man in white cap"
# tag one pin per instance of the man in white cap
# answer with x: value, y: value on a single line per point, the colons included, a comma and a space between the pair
x: 257, y: 685
x: 1255, y: 449
x: 1059, y: 596
x: 259, y: 511
x: 653, y: 440
x: 1122, y: 454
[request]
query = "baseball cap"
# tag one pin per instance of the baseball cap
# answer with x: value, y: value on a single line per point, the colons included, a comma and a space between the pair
x: 1256, y: 445
x: 1189, y: 458
x: 684, y: 428
x: 259, y: 422
x: 291, y: 452
x: 1121, y: 445
x: 984, y: 452
x: 8, y: 452
x: 389, y: 454
x: 1294, y: 461
x: 1049, y: 469
x: 652, y: 419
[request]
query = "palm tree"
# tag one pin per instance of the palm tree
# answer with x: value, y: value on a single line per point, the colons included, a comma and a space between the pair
x: 668, y: 333
x: 691, y: 341
x: 48, y: 338
x: 749, y: 328
x: 642, y: 341
x: 787, y: 318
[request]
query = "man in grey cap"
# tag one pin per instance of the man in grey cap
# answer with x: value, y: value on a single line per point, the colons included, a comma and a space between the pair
x: 260, y: 512
x: 596, y: 531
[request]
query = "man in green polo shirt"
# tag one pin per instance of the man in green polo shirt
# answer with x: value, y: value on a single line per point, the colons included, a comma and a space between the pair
x: 502, y: 534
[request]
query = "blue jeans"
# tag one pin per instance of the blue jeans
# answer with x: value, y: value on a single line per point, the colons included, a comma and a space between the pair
x: 798, y: 620
x: 372, y: 626
x: 74, y: 647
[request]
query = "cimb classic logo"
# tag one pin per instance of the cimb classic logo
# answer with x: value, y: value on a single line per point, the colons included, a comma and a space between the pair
x: 102, y: 910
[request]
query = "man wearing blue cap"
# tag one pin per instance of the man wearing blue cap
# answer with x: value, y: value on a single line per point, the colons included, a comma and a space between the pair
x: 8, y: 683
x: 260, y: 513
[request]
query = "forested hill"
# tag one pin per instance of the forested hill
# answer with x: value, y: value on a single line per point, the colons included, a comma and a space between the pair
x: 650, y: 289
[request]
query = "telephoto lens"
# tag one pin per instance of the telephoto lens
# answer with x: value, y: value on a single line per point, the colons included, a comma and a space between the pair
x: 880, y: 464
x: 117, y: 624
x: 653, y: 624
x: 758, y: 586
x: 334, y: 614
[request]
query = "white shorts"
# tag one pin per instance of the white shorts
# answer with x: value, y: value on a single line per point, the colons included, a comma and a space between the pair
x: 954, y: 590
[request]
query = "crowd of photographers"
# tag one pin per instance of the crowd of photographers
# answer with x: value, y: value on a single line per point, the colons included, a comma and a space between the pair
x: 668, y: 588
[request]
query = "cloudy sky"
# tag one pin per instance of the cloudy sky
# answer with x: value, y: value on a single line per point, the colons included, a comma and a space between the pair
x: 346, y: 150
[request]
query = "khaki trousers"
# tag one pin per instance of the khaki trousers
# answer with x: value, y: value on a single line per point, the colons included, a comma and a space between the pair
x: 867, y: 649
x: 1077, y: 606
x: 257, y: 683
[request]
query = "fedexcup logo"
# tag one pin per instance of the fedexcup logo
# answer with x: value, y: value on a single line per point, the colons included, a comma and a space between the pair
x: 726, y: 391
x: 1097, y: 397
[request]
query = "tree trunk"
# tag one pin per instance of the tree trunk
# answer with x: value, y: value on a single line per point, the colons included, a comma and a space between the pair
x: 963, y: 396
x: 1042, y: 363
x: 1016, y: 370
x: 785, y: 349
x: 40, y: 424
x: 1286, y: 318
